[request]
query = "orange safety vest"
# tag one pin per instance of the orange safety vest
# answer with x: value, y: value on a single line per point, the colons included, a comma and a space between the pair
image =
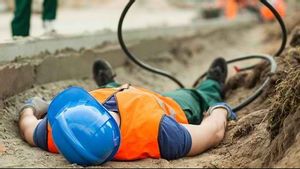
x: 51, y: 146
x: 140, y: 112
x: 231, y: 9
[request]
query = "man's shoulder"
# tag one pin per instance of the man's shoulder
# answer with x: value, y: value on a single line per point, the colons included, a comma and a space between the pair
x: 174, y: 140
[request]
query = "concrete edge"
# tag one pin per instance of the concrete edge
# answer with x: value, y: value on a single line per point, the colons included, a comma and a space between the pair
x: 28, y: 47
x: 22, y: 74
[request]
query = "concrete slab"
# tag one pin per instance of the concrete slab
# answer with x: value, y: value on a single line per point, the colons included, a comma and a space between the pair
x: 15, y: 78
x: 78, y: 65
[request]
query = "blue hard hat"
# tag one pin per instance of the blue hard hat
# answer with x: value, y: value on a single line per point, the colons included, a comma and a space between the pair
x: 83, y: 130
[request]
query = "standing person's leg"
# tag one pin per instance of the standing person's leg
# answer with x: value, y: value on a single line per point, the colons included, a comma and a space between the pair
x: 49, y: 10
x: 49, y: 15
x: 21, y: 21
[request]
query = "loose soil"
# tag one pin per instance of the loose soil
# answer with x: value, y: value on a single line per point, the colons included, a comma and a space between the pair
x: 259, y: 138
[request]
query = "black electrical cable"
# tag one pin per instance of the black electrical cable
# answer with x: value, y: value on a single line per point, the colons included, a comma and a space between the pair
x: 283, y: 29
x: 268, y: 58
x: 282, y: 25
x: 258, y: 91
x: 132, y: 57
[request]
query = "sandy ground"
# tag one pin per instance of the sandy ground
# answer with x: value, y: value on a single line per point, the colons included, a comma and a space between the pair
x: 187, y: 59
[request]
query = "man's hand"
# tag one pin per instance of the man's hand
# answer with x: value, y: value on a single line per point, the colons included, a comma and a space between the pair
x: 38, y: 105
x: 230, y: 116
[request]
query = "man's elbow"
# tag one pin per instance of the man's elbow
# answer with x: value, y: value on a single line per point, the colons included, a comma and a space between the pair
x: 26, y: 132
x: 22, y: 128
x: 28, y: 137
x: 220, y: 136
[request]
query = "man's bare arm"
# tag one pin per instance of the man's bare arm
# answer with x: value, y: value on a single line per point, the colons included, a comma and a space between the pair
x: 209, y: 133
x: 31, y: 113
x: 27, y: 124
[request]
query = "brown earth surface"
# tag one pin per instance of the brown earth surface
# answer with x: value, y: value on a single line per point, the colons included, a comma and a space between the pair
x: 265, y: 135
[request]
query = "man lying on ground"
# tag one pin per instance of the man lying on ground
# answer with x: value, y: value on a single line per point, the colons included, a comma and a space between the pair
x: 124, y: 122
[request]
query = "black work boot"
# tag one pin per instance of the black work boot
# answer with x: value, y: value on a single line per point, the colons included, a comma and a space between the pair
x: 218, y: 71
x: 103, y: 73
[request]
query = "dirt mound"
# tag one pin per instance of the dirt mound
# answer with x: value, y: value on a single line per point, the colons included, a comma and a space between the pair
x: 275, y: 127
x: 284, y: 120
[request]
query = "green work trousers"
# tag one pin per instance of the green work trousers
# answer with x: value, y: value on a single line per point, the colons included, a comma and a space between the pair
x: 21, y: 22
x: 194, y: 102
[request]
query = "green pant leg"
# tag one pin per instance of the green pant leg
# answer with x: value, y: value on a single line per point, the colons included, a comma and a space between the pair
x: 189, y: 101
x: 21, y: 21
x: 111, y: 85
x: 195, y: 102
x: 210, y: 92
x: 49, y: 9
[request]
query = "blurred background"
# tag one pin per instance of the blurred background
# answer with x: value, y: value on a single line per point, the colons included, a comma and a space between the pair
x: 76, y: 17
x: 82, y: 16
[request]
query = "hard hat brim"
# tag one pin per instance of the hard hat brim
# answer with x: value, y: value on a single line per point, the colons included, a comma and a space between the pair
x: 68, y: 97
